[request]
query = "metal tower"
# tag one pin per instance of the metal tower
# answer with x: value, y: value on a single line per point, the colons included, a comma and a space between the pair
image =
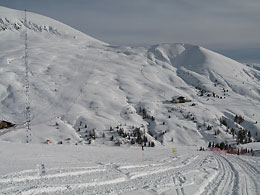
x: 27, y: 86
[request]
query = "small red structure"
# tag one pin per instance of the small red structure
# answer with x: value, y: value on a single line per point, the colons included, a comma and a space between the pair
x: 230, y: 150
x: 48, y: 141
x: 218, y: 151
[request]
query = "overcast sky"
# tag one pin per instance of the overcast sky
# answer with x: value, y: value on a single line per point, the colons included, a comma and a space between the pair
x: 215, y: 24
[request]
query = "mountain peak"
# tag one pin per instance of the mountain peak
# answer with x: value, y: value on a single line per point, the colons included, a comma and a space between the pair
x: 86, y: 92
x: 14, y: 21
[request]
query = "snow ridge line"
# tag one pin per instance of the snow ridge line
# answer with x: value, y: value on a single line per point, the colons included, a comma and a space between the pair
x: 177, y: 181
x: 165, y: 162
x: 147, y: 173
x: 30, y: 178
x: 67, y: 169
x: 72, y: 187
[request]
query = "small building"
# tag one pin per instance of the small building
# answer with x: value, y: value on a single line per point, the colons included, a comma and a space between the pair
x: 5, y: 124
x: 180, y: 99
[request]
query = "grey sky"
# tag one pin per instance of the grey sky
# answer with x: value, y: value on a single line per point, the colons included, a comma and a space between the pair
x: 216, y: 24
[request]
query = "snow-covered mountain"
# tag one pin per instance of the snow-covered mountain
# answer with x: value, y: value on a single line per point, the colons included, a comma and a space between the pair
x: 85, y: 91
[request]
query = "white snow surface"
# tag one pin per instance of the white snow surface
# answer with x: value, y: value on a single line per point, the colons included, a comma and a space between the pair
x: 79, y: 85
x: 82, y: 84
x: 124, y: 170
x: 102, y: 86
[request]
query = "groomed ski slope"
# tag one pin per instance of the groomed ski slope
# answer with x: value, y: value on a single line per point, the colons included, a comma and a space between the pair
x: 125, y: 170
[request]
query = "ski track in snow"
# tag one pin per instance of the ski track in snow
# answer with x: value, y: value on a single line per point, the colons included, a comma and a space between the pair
x: 234, y: 176
x: 210, y: 174
x: 226, y: 181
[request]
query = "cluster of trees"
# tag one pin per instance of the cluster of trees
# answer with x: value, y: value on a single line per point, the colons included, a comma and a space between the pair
x: 209, y: 127
x: 217, y: 132
x: 121, y: 132
x: 229, y: 148
x: 143, y: 112
x: 137, y: 136
x: 92, y: 134
x: 243, y: 136
x: 82, y: 126
x: 89, y: 134
x: 186, y: 115
x: 203, y: 92
x: 221, y: 146
x: 190, y: 116
x: 238, y: 119
x: 223, y: 122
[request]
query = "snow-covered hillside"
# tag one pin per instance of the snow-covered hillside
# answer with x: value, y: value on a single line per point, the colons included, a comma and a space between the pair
x: 88, y: 96
x: 14, y: 21
x: 85, y: 91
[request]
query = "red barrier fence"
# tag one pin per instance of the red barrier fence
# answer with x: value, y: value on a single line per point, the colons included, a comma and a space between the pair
x: 229, y: 151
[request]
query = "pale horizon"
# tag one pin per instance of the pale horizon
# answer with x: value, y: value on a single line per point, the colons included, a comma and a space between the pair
x: 229, y: 27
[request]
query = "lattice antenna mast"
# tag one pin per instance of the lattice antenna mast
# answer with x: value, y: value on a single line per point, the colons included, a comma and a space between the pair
x: 27, y: 85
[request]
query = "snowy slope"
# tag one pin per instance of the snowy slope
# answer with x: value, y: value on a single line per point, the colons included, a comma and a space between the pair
x: 14, y: 20
x: 124, y: 170
x: 80, y: 87
x: 84, y: 91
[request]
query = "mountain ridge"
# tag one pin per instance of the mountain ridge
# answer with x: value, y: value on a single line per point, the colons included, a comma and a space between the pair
x: 84, y: 91
x: 14, y: 20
